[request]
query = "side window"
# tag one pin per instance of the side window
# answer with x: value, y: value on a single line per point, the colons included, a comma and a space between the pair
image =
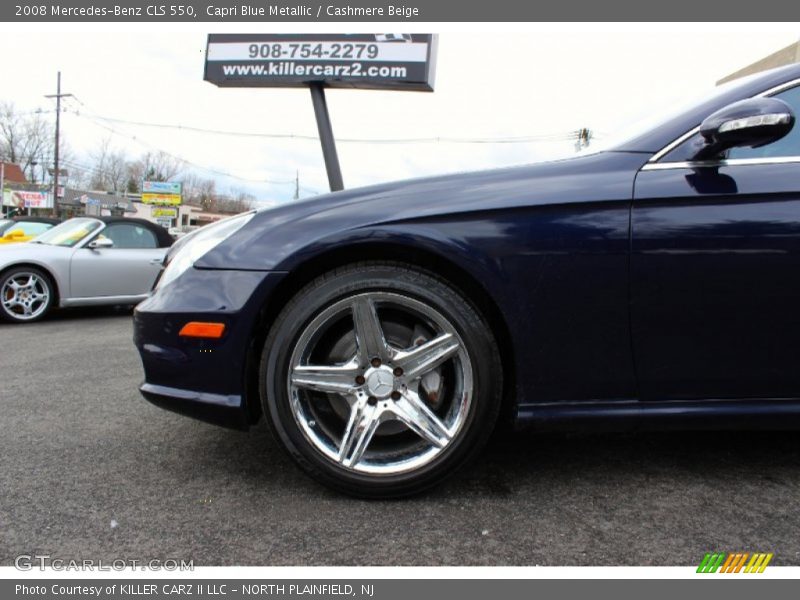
x: 787, y: 146
x: 129, y: 235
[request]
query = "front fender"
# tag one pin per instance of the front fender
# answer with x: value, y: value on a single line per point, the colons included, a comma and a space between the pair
x: 58, y: 272
x: 419, y: 237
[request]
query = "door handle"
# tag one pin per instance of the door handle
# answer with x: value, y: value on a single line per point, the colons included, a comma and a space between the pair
x: 156, y: 261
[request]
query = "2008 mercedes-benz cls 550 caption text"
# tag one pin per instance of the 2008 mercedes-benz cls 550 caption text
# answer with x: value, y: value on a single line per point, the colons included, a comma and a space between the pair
x: 384, y: 332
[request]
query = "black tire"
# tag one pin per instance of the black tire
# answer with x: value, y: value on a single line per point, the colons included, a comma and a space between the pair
x: 15, y: 313
x: 395, y: 279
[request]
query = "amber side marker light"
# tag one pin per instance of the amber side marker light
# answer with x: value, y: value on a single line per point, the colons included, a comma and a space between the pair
x: 199, y: 329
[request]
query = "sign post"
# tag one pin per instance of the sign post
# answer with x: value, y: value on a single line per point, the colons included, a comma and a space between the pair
x: 326, y: 138
x: 394, y: 61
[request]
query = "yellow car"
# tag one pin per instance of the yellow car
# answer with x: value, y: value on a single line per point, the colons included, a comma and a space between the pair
x: 24, y: 229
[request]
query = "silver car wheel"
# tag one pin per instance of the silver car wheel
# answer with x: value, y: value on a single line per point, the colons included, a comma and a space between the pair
x: 380, y: 394
x: 25, y: 295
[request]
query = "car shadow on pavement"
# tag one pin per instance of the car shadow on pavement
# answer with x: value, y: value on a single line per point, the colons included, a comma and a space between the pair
x: 557, y: 499
x: 77, y: 315
x: 90, y: 312
x: 514, y: 462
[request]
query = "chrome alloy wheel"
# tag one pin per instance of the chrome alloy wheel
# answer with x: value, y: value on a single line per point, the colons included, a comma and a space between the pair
x: 25, y: 295
x: 380, y: 383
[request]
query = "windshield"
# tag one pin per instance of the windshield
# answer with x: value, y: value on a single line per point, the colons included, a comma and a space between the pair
x: 4, y: 223
x: 69, y: 233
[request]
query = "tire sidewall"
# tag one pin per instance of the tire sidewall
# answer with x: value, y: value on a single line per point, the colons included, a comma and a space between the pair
x: 419, y: 285
x: 48, y: 281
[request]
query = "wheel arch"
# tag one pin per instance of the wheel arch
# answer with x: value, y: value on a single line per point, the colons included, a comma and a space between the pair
x: 39, y: 267
x: 304, y: 272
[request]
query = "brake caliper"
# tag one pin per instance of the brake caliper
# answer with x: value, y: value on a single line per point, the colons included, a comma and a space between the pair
x: 431, y: 383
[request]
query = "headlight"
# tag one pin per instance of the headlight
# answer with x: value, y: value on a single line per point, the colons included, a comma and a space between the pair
x: 201, y: 242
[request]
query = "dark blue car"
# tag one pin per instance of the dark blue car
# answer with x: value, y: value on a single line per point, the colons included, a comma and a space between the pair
x: 384, y: 332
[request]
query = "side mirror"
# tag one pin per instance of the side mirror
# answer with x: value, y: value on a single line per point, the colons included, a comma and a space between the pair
x: 100, y: 242
x: 753, y: 122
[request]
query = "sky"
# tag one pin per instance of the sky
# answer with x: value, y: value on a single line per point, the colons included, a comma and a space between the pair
x: 491, y: 83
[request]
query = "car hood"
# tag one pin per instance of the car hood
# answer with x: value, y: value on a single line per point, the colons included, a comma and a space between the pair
x: 289, y: 227
x: 466, y: 191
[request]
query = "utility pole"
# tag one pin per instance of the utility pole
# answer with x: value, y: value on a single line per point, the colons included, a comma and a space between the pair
x: 58, y: 95
x: 583, y: 138
x: 297, y: 185
x: 2, y: 185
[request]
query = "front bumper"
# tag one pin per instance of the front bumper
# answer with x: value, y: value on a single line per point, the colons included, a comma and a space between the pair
x: 202, y: 378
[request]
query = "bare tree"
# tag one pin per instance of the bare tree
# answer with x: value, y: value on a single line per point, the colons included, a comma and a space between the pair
x: 200, y: 191
x: 203, y: 192
x: 238, y: 201
x: 158, y: 166
x: 79, y: 176
x: 135, y: 176
x: 111, y: 169
x: 25, y: 138
x: 11, y: 130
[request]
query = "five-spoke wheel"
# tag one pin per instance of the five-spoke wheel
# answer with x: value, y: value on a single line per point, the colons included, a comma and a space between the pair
x: 380, y: 380
x: 383, y: 382
x: 25, y: 294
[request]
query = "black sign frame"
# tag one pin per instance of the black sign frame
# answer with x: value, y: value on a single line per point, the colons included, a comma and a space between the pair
x: 334, y: 60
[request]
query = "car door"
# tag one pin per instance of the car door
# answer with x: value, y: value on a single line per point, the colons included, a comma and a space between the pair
x: 715, y: 272
x: 128, y: 268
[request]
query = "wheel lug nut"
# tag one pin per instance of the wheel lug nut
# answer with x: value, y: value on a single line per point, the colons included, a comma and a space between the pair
x: 395, y: 395
x: 376, y: 362
x: 398, y: 371
x: 372, y: 400
x: 360, y: 379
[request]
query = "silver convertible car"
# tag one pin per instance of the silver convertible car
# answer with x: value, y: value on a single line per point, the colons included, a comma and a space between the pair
x: 81, y: 262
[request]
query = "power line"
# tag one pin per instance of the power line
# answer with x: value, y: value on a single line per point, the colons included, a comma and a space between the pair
x: 143, y: 143
x: 38, y: 111
x: 526, y: 139
x: 184, y: 160
x: 104, y: 172
x: 104, y: 122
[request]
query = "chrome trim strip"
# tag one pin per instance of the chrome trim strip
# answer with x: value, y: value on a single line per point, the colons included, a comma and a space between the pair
x: 779, y: 88
x: 730, y: 162
x: 671, y: 146
x: 171, y: 393
x: 101, y: 300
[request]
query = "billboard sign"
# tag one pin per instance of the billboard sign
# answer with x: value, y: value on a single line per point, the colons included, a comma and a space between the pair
x: 162, y: 187
x: 162, y: 199
x: 27, y: 199
x: 157, y: 212
x: 399, y: 61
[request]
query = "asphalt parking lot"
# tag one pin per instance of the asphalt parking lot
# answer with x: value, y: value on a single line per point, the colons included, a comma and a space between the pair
x: 88, y: 469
